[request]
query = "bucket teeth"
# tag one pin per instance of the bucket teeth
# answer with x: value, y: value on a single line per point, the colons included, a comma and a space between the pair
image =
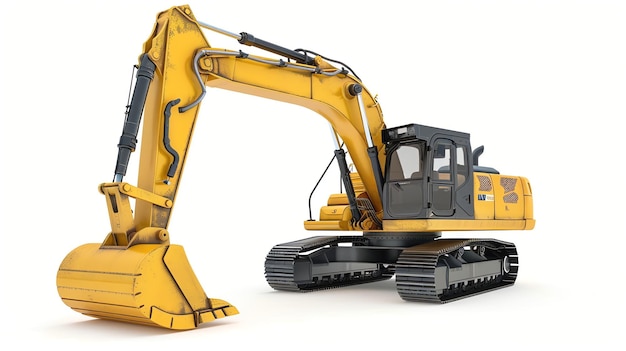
x: 220, y: 309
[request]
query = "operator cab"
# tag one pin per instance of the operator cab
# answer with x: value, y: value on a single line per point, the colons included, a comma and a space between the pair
x: 428, y: 173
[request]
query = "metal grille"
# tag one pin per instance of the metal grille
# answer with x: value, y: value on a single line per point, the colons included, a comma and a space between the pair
x: 508, y: 184
x: 511, y: 198
x: 485, y: 183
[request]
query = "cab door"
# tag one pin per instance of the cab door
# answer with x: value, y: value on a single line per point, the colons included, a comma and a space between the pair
x: 404, y: 191
x: 449, y: 184
x: 442, y: 176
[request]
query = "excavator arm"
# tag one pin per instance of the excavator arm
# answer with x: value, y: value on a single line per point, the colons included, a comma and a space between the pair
x: 135, y: 274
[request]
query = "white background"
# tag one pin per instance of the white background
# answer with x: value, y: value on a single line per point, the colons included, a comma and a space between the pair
x: 540, y: 83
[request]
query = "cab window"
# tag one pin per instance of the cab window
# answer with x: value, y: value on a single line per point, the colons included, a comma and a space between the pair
x: 406, y: 162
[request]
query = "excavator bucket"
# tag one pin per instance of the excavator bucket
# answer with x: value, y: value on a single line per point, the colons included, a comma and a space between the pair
x: 150, y: 284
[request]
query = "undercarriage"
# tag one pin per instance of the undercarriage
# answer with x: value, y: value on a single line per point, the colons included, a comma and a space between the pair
x: 426, y: 267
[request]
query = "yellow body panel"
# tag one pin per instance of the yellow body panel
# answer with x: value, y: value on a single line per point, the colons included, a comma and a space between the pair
x: 327, y: 224
x: 438, y: 225
x: 501, y: 197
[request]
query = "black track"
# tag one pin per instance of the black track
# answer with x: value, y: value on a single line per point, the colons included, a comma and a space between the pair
x: 285, y: 265
x: 415, y: 270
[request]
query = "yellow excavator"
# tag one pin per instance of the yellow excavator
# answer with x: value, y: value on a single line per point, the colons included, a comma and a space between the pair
x: 402, y: 188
